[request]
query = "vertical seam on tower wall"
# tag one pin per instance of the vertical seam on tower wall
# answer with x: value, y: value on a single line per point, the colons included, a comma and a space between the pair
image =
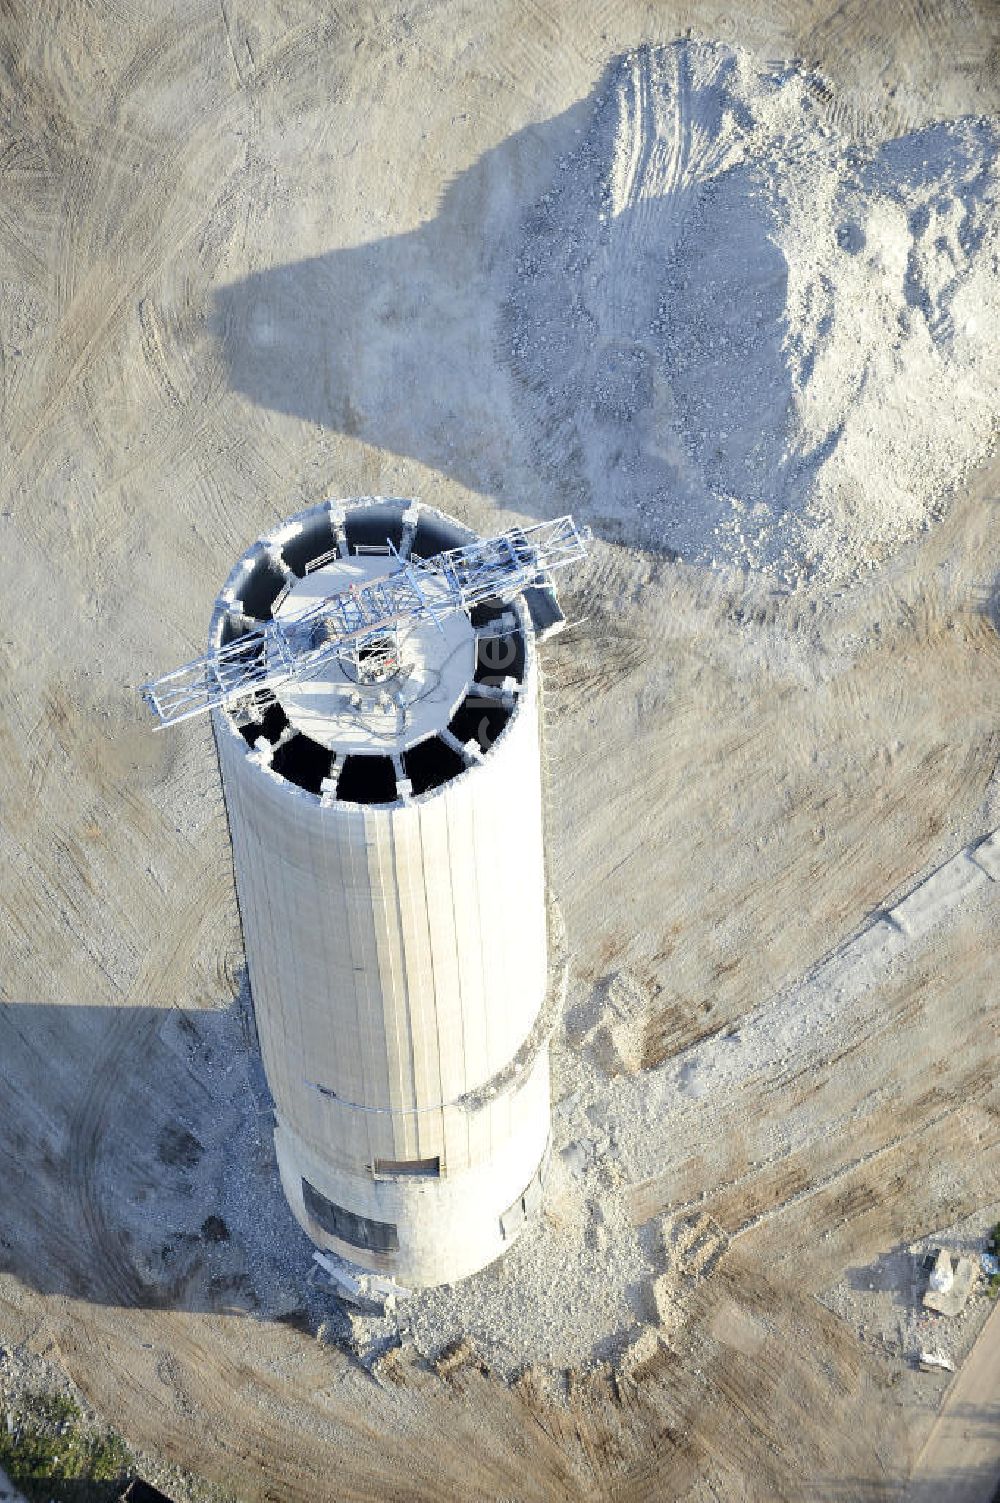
x: 282, y: 869
x: 366, y: 910
x: 247, y: 845
x: 404, y: 976
x: 469, y: 962
x: 297, y: 968
x: 481, y: 948
x: 345, y: 851
x: 450, y: 809
x: 415, y: 918
x: 331, y: 852
x: 334, y: 870
x: 269, y: 979
x: 434, y: 985
x: 542, y: 824
x: 376, y: 889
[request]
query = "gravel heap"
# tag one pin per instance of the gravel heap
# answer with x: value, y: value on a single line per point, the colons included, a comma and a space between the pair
x: 741, y: 336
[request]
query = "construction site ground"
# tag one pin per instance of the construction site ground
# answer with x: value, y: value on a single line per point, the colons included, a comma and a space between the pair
x: 958, y: 1461
x: 742, y: 779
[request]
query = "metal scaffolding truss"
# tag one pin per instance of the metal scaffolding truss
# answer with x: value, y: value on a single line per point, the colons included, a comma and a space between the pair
x: 416, y: 590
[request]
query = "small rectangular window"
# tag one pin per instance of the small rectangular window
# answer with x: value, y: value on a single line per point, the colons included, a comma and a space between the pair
x: 390, y: 1168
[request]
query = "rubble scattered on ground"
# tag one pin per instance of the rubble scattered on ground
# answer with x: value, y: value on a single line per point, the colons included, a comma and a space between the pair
x: 885, y: 1303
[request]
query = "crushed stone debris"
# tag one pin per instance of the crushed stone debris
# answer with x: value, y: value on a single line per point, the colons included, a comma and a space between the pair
x: 749, y: 338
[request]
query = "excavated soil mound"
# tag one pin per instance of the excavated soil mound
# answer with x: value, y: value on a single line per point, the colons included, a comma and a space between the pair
x: 746, y: 339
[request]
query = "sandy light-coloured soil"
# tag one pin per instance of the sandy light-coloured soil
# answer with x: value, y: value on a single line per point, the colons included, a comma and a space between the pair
x: 255, y: 255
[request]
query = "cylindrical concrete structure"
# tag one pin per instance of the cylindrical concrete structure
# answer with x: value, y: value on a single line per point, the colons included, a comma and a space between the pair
x: 386, y: 820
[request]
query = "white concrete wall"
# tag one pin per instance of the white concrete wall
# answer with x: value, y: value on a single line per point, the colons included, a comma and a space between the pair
x: 398, y: 958
x: 449, y: 1227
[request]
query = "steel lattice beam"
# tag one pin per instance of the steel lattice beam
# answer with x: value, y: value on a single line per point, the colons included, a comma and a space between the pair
x: 416, y: 590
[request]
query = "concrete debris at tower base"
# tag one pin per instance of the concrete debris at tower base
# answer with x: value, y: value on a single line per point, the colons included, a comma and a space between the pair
x: 356, y: 1285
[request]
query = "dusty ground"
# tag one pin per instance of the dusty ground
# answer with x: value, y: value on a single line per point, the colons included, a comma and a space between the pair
x: 738, y: 777
x: 958, y: 1461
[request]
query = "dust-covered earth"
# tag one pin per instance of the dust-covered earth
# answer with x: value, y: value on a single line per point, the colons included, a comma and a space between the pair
x: 724, y: 282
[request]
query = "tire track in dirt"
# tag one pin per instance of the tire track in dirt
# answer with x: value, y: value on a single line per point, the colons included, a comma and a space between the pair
x: 817, y: 763
x: 930, y: 38
x: 854, y: 1105
x: 542, y: 49
x: 102, y: 1245
x: 885, y: 1198
x: 238, y: 39
x: 151, y: 227
x: 30, y: 178
x: 653, y: 173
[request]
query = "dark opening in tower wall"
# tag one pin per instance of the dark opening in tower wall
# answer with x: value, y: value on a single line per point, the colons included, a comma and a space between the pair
x: 315, y: 538
x: 303, y: 761
x: 268, y: 723
x: 234, y: 625
x: 349, y: 1226
x: 487, y: 612
x: 431, y: 763
x: 263, y: 584
x: 479, y: 720
x: 500, y: 656
x: 374, y: 526
x: 433, y: 535
x: 367, y: 780
x: 429, y: 1168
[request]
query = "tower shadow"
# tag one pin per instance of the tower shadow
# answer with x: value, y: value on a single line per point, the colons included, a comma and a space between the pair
x: 136, y: 1162
x: 394, y: 341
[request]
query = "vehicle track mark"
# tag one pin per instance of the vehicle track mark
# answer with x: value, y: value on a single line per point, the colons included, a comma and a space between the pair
x: 129, y: 1038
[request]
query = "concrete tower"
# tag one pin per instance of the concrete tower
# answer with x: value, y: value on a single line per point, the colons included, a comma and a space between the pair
x: 386, y: 818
